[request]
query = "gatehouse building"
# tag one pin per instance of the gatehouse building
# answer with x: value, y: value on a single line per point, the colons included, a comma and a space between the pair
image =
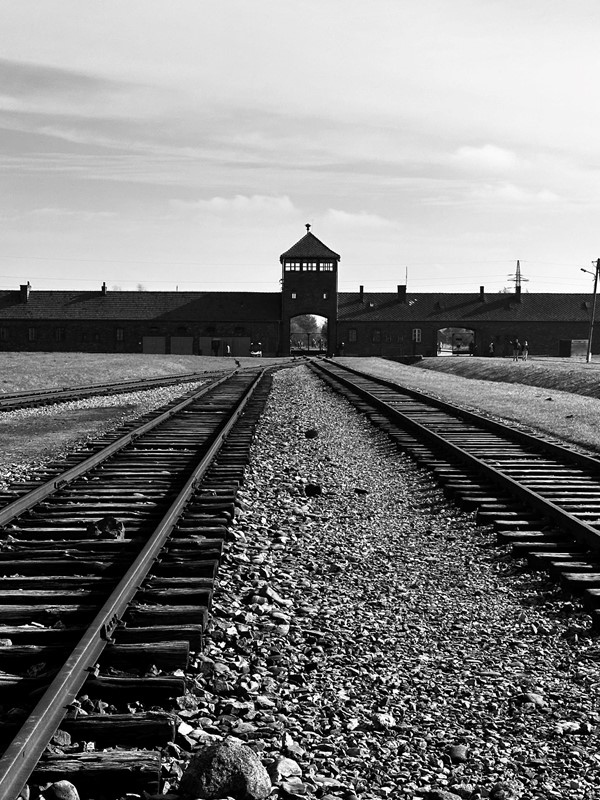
x: 390, y: 324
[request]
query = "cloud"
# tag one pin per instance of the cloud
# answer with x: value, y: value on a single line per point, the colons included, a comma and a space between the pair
x: 238, y: 205
x: 28, y: 79
x: 29, y: 87
x: 362, y: 219
x: 489, y: 158
x: 70, y: 213
x: 508, y: 192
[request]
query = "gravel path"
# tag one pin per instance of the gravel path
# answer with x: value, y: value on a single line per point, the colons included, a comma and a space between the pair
x: 379, y: 638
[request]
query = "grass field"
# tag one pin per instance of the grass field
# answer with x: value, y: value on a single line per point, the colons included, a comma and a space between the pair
x: 30, y: 371
x: 566, y: 375
x: 553, y: 397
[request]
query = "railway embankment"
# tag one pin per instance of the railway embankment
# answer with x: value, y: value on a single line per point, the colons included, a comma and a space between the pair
x: 373, y: 634
x: 562, y: 402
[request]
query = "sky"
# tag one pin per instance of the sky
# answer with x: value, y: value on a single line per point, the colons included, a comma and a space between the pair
x: 183, y: 144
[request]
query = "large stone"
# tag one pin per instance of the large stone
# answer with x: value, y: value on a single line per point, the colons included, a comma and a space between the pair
x: 227, y: 768
x: 61, y: 790
x: 283, y: 768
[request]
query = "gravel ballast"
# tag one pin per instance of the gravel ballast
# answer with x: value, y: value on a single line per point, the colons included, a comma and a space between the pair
x: 31, y: 437
x: 376, y: 636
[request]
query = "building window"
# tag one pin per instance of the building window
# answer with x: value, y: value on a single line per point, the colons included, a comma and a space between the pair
x: 416, y: 334
x: 182, y: 330
x: 3, y: 334
x: 310, y: 266
x: 239, y: 331
x: 293, y: 266
x: 294, y: 295
x: 376, y: 335
x: 387, y: 337
x: 31, y: 334
x: 119, y: 334
x: 352, y: 335
x: 326, y: 266
x: 325, y: 295
x: 59, y: 334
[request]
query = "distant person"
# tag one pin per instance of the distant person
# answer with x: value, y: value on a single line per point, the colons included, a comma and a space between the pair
x: 516, y: 346
x: 491, y: 349
x: 227, y: 350
x: 524, y: 350
x: 471, y: 348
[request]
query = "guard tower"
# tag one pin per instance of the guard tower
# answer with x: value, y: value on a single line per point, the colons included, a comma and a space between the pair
x: 309, y: 286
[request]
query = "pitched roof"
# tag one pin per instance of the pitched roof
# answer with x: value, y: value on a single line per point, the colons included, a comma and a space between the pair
x: 122, y: 306
x: 309, y: 247
x: 388, y: 307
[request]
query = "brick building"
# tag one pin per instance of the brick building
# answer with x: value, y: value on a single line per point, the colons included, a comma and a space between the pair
x: 391, y: 324
x: 409, y: 323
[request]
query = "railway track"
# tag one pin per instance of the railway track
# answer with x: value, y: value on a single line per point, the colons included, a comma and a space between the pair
x: 44, y: 397
x: 542, y: 497
x: 107, y: 576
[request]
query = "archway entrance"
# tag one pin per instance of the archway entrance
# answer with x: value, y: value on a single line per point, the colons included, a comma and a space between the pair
x: 308, y: 335
x: 456, y: 342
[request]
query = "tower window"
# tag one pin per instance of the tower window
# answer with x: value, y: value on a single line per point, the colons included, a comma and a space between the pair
x: 292, y: 266
x: 327, y: 266
x: 310, y: 266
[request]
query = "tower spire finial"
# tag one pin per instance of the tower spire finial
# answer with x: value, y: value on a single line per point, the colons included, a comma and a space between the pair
x: 307, y: 227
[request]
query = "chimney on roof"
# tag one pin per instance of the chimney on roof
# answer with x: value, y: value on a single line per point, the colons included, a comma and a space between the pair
x: 103, y: 287
x: 402, y: 293
x: 361, y: 290
x: 24, y: 290
x: 482, y: 294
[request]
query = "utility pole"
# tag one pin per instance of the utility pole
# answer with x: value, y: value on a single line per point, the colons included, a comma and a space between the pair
x: 591, y: 333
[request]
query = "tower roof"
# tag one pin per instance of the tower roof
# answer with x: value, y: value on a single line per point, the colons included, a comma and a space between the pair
x: 309, y: 247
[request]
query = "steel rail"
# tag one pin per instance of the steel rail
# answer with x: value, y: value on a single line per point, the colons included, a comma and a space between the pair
x: 581, y: 531
x: 20, y: 758
x: 21, y: 504
x: 20, y: 399
x: 588, y: 462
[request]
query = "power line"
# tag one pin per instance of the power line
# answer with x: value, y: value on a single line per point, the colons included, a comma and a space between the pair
x: 197, y: 263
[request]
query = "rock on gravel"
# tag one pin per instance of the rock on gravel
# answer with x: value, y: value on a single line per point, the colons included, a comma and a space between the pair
x: 61, y: 790
x: 365, y: 635
x: 226, y: 768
